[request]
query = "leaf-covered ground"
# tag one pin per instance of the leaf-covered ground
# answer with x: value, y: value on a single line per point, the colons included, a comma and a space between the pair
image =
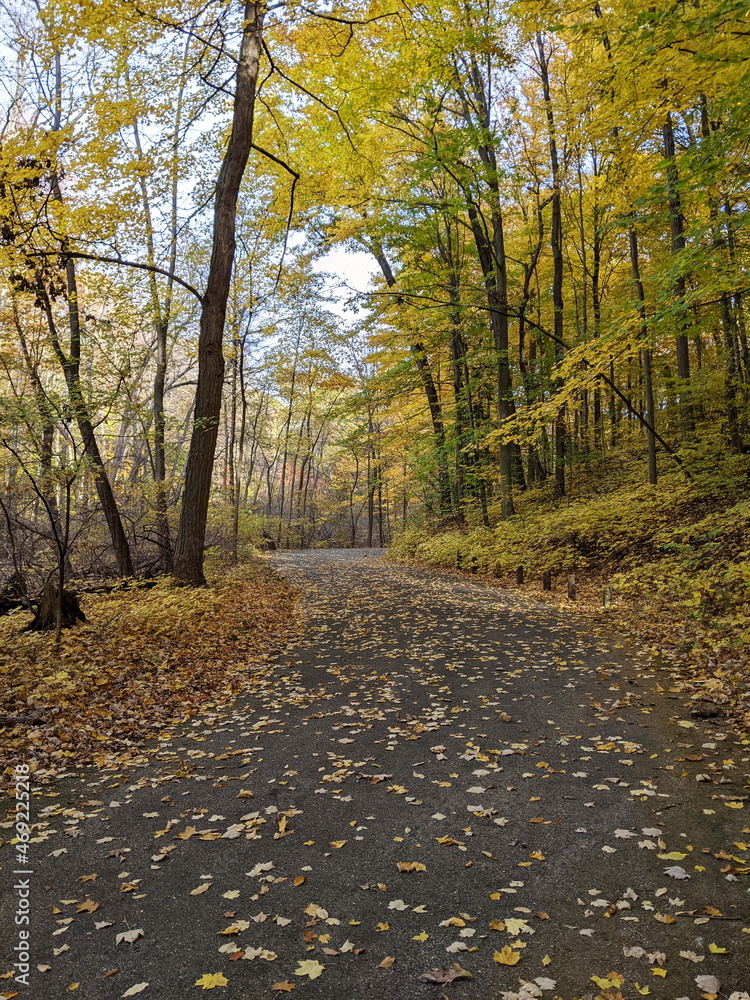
x: 438, y: 791
x: 145, y: 659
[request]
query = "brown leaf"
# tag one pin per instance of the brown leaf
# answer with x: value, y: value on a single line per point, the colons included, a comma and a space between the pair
x: 445, y: 975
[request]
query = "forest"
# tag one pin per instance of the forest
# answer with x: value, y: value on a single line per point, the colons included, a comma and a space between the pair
x: 549, y: 367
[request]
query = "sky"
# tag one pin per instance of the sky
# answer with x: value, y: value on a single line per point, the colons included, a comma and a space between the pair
x: 350, y: 272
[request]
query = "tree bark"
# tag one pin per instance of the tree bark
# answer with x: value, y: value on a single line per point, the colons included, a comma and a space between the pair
x: 677, y: 234
x: 558, y: 304
x: 191, y: 536
x: 648, y: 388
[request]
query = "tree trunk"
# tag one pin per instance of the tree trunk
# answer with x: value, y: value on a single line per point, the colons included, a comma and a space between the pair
x: 191, y: 536
x: 676, y: 228
x: 56, y: 614
x: 558, y: 305
x: 71, y: 366
x: 648, y: 389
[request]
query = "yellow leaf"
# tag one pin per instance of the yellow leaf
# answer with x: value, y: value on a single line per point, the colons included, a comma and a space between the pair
x: 672, y: 856
x: 546, y: 960
x: 411, y: 866
x: 643, y: 990
x: 422, y: 936
x: 716, y: 950
x: 211, y: 979
x: 506, y: 956
x: 310, y: 967
x: 497, y: 925
x: 387, y: 962
x: 337, y: 843
x: 659, y: 972
x: 735, y: 805
x: 73, y: 986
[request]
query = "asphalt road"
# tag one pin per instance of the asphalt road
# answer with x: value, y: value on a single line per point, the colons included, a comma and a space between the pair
x: 435, y: 773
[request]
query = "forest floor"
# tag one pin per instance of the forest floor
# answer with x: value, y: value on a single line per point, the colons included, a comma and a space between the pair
x: 369, y: 820
x: 143, y: 660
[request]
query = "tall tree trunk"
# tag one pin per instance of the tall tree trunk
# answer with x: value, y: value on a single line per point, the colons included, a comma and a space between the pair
x: 191, y: 536
x: 677, y: 235
x: 648, y: 388
x: 71, y: 367
x: 558, y: 305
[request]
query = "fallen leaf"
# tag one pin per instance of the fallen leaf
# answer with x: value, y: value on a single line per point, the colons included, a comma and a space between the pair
x: 309, y: 967
x: 210, y: 980
x: 129, y: 936
x: 283, y: 987
x: 138, y: 988
x: 506, y: 956
x: 444, y: 975
x: 708, y: 984
x: 676, y: 872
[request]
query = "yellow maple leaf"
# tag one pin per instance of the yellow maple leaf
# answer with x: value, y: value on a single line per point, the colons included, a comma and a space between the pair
x: 422, y: 936
x: 716, y: 950
x: 659, y: 972
x: 310, y: 967
x: 643, y: 990
x: 211, y: 979
x: 506, y: 956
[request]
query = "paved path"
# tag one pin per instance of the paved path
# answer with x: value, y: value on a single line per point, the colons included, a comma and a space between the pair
x: 437, y: 772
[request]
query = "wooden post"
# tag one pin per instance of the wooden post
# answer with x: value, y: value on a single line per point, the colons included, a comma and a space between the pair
x: 519, y: 575
x: 607, y: 599
x: 572, y: 587
x: 547, y: 580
